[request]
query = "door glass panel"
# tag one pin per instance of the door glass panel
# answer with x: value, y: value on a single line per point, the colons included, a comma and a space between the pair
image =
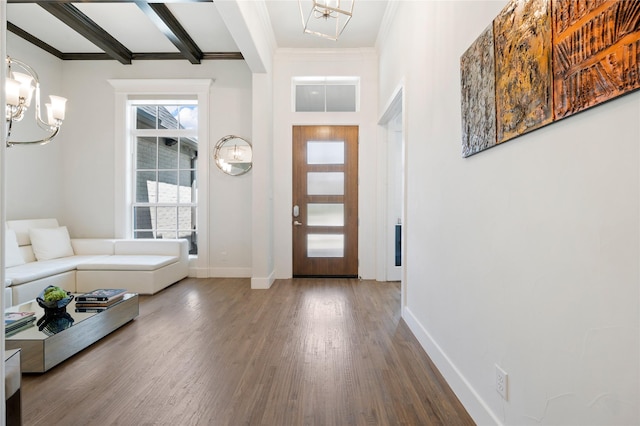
x: 325, y: 183
x: 325, y: 214
x: 325, y: 245
x: 325, y: 152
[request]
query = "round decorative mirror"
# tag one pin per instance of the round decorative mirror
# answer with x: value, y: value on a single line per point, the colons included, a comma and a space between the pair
x: 233, y: 155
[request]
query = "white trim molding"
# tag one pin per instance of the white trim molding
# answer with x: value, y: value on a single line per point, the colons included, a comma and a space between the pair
x: 263, y: 283
x: 468, y: 396
x: 124, y: 90
x: 238, y: 272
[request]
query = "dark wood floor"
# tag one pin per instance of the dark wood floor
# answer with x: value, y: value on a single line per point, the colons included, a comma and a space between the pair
x: 215, y: 352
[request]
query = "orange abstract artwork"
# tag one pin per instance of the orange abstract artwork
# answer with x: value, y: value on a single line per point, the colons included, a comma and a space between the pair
x: 596, y: 52
x: 524, y: 90
x: 553, y: 58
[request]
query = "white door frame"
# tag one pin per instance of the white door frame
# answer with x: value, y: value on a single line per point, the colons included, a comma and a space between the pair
x: 394, y: 124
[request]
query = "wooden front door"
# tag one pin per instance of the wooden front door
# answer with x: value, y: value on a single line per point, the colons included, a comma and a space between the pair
x: 325, y: 200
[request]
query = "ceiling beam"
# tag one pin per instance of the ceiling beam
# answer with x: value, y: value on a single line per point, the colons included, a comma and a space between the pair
x: 164, y: 20
x: 152, y: 56
x: 34, y: 40
x: 111, y: 1
x: 82, y: 24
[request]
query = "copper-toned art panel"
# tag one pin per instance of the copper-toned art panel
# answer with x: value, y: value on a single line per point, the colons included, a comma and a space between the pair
x: 524, y: 91
x: 596, y: 52
x: 477, y: 78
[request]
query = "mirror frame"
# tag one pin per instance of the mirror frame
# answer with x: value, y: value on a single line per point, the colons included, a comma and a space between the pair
x: 218, y: 158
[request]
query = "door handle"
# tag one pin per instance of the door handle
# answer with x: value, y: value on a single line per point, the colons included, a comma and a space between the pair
x: 296, y: 223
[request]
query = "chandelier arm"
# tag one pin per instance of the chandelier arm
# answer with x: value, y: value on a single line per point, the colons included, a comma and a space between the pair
x: 43, y: 124
x: 17, y: 113
x: 36, y: 79
x: 9, y: 126
x: 26, y: 67
x: 304, y: 22
x: 43, y: 141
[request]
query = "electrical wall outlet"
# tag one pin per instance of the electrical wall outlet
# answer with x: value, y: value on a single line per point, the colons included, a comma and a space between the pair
x: 502, y: 385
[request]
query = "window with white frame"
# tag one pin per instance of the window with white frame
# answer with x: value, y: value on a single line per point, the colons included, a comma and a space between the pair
x: 164, y: 136
x: 326, y: 94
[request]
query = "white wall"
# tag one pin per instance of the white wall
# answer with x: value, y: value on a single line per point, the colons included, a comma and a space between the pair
x: 295, y: 63
x: 263, y: 273
x: 249, y: 25
x: 526, y: 255
x: 34, y: 176
x: 73, y: 178
x: 3, y: 53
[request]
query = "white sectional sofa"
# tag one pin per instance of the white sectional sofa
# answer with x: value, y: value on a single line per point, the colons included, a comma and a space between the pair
x: 39, y: 252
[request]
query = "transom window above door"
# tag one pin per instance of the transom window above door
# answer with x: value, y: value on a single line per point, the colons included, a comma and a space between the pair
x: 326, y: 94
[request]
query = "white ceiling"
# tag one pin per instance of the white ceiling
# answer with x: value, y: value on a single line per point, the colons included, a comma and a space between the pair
x: 128, y: 24
x: 361, y: 31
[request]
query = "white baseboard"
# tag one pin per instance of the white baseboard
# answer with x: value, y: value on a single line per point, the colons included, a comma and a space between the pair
x: 473, y: 403
x: 198, y: 272
x: 256, y: 283
x: 230, y: 272
x: 259, y: 283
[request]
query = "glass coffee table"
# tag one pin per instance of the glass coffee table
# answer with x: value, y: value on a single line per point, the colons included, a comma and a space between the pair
x: 67, y: 335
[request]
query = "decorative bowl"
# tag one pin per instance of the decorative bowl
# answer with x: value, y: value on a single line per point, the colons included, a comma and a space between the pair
x: 54, y: 304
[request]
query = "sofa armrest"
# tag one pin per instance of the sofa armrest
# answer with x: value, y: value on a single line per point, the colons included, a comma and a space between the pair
x: 168, y: 247
x: 92, y: 246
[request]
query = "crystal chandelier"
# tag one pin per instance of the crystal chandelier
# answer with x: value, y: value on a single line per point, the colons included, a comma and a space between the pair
x: 19, y: 90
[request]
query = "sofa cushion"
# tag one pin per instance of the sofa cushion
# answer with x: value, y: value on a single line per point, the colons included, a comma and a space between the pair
x: 92, y: 245
x: 169, y: 247
x: 12, y: 255
x: 127, y: 263
x: 36, y: 270
x: 22, y: 226
x: 50, y: 243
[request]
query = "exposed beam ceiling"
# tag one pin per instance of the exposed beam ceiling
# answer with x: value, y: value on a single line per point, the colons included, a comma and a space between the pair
x: 187, y: 30
x: 158, y: 14
x: 34, y: 40
x: 83, y: 25
x: 109, y: 1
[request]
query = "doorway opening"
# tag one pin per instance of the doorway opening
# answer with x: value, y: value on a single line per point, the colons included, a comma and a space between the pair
x: 395, y: 227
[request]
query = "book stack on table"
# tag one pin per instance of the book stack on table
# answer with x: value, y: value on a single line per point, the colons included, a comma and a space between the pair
x: 99, y: 300
x: 17, y: 321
